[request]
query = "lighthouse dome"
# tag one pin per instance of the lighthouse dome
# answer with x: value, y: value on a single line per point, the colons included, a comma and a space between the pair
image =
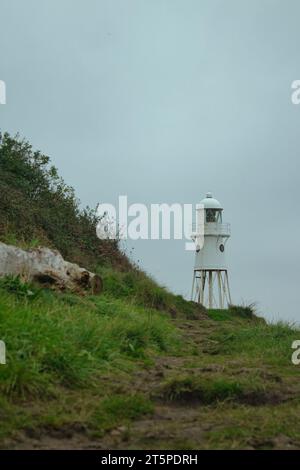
x: 209, y: 202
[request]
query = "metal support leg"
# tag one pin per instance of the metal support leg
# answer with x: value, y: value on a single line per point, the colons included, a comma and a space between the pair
x: 210, y: 288
x: 203, y: 287
x: 220, y: 290
x: 228, y: 290
x: 193, y: 285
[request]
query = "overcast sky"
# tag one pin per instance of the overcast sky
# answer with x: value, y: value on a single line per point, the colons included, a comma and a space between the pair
x: 164, y: 100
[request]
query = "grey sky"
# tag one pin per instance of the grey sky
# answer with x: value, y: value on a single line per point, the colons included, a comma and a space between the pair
x: 164, y: 100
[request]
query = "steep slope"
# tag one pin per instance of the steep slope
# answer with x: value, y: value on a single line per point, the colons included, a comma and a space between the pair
x: 37, y: 207
x: 103, y: 373
x: 136, y: 367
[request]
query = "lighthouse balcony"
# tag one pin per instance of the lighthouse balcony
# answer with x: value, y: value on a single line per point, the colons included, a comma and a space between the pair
x: 214, y: 228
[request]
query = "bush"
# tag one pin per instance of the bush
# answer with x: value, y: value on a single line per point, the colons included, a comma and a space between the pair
x: 37, y: 206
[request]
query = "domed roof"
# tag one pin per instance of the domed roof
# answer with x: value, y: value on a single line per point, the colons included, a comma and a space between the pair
x: 210, y: 202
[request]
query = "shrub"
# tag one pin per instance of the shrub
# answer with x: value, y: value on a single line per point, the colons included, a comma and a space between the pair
x: 36, y: 206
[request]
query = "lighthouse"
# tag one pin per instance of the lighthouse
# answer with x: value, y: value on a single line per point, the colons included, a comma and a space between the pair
x: 210, y: 278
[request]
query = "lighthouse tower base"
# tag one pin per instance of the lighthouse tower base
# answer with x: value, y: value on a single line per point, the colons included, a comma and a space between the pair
x: 211, y: 288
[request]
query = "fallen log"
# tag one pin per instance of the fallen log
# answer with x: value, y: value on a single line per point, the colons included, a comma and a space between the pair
x: 48, y: 268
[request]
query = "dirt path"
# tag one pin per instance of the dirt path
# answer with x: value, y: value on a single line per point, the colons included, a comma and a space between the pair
x: 173, y: 425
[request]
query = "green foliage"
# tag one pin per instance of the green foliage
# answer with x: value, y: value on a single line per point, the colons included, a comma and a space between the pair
x: 20, y: 289
x: 36, y: 206
x: 79, y: 353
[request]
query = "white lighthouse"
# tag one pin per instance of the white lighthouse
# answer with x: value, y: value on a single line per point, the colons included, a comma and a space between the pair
x: 210, y: 279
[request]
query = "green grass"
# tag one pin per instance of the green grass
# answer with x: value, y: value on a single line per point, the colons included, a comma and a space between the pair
x: 261, y: 341
x: 51, y: 343
x: 104, y: 362
x: 137, y: 287
x: 260, y: 427
x: 117, y: 410
x: 61, y: 344
x: 207, y: 390
x: 235, y: 312
x: 15, y: 285
x: 72, y: 360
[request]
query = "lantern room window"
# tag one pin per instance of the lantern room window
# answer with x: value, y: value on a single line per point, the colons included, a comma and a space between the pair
x: 213, y: 215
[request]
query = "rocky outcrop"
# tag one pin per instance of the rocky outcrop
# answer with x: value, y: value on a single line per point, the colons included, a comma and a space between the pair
x: 48, y: 268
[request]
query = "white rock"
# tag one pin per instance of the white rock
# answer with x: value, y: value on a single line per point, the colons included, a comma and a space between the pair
x: 48, y: 268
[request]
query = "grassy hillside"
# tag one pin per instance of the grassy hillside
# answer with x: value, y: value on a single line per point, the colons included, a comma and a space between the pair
x: 62, y: 345
x: 106, y: 372
x: 135, y: 367
x: 38, y: 207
